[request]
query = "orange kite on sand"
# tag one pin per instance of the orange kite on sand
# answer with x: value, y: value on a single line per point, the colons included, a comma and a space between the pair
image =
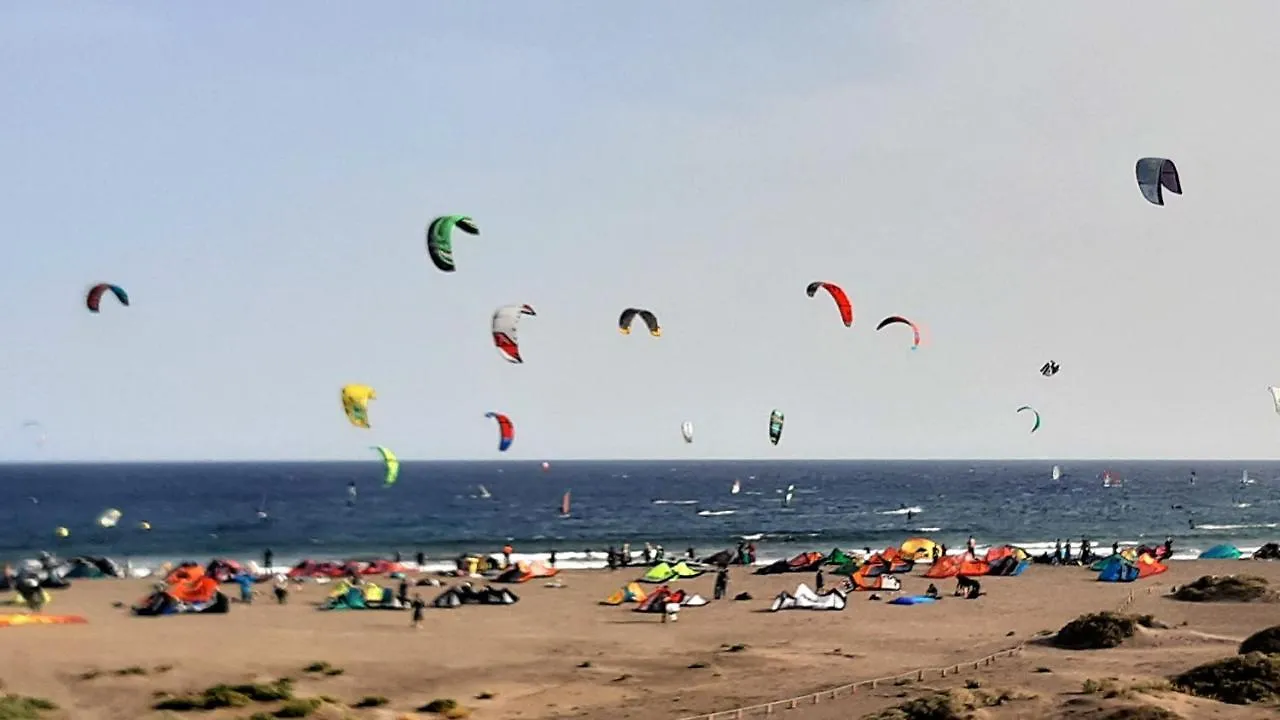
x: 17, y: 619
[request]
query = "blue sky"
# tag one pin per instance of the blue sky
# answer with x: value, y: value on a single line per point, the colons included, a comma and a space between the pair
x: 259, y: 177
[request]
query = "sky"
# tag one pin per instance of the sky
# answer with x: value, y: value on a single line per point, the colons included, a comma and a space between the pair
x: 259, y: 178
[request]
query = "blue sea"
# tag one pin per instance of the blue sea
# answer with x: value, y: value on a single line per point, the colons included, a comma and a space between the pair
x: 197, y: 511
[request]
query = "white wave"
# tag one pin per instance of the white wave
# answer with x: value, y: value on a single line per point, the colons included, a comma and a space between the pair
x: 715, y: 513
x: 675, y: 502
x: 752, y: 537
x: 1256, y: 526
x: 901, y: 511
x: 928, y: 529
x: 1244, y: 505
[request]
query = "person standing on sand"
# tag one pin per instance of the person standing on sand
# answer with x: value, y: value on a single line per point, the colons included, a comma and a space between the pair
x: 722, y: 582
x: 418, y: 605
x: 551, y: 558
x: 626, y: 554
x: 403, y: 594
x: 819, y: 580
x: 421, y: 557
x: 282, y: 590
x: 506, y: 555
x: 972, y: 546
x: 1057, y: 551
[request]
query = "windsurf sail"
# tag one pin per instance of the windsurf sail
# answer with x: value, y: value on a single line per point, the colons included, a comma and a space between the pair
x: 564, y: 504
x: 791, y: 493
x: 484, y: 493
x: 1057, y: 473
x: 737, y: 487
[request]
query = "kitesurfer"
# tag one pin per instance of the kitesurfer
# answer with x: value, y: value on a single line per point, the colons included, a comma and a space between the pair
x: 418, y: 605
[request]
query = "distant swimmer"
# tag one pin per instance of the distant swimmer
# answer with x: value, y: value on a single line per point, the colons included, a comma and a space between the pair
x: 1191, y: 524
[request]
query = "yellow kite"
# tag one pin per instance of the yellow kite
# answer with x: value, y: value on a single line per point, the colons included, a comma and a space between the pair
x: 355, y: 403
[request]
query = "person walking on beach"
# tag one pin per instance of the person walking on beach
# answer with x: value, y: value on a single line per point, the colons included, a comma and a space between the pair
x: 402, y: 593
x: 418, y: 606
x: 421, y: 558
x: 551, y: 558
x: 1066, y: 553
x: 722, y: 582
x: 819, y: 580
x: 282, y: 590
x: 267, y: 557
x: 1057, y: 551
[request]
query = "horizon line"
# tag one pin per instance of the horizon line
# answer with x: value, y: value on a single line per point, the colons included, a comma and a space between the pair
x: 313, y: 461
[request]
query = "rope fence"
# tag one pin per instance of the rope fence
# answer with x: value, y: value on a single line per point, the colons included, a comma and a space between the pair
x: 850, y: 689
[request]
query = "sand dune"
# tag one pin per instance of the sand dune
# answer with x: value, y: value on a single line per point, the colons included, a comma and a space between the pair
x: 557, y: 654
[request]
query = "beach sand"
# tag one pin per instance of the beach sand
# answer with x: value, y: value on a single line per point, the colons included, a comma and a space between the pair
x: 558, y: 654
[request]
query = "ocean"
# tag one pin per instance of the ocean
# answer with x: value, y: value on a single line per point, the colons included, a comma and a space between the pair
x: 201, y: 510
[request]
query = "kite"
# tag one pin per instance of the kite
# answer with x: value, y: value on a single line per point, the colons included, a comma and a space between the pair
x: 775, y: 426
x: 391, y: 462
x: 1154, y: 176
x: 1049, y: 369
x: 506, y: 430
x: 1035, y: 412
x: 686, y: 429
x: 629, y: 315
x: 440, y: 239
x: 893, y: 319
x: 94, y: 299
x: 355, y: 403
x: 1275, y: 397
x: 837, y: 294
x: 505, y: 320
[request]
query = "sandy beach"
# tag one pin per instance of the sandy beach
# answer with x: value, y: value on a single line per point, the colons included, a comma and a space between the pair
x: 557, y: 653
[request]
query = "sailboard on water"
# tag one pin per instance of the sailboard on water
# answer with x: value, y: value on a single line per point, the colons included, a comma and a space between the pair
x: 737, y: 488
x: 484, y: 493
x: 1057, y: 473
x: 564, y: 504
x: 791, y: 493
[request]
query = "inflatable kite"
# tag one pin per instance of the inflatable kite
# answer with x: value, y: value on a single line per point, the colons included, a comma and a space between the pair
x: 355, y: 403
x: 629, y: 315
x: 505, y: 320
x: 94, y: 299
x: 1049, y: 369
x: 1275, y: 397
x: 686, y: 429
x: 506, y: 430
x: 391, y: 462
x: 775, y: 426
x: 837, y: 294
x: 896, y: 319
x: 1034, y: 412
x: 110, y: 518
x: 440, y: 239
x: 1156, y: 175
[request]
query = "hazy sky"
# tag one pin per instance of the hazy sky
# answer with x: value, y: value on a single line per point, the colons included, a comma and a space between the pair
x: 259, y: 178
